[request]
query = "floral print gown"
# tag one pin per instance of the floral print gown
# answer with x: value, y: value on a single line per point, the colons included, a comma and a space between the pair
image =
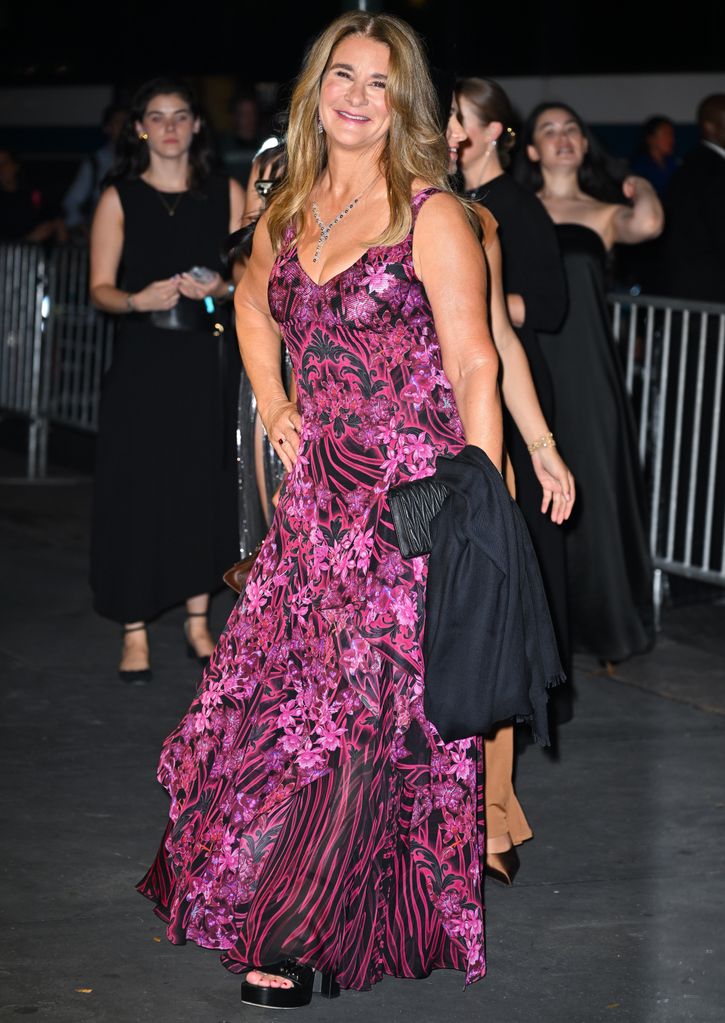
x: 315, y: 812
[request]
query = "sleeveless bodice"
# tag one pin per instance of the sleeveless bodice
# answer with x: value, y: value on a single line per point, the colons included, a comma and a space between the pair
x: 376, y: 406
x: 156, y: 245
x: 584, y: 254
x: 367, y: 359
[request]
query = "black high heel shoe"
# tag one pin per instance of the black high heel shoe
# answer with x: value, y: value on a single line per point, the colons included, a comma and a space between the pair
x: 134, y: 676
x: 304, y: 982
x: 190, y: 650
x: 504, y: 866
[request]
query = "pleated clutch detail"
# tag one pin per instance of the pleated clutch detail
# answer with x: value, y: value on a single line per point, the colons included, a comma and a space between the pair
x: 413, y: 506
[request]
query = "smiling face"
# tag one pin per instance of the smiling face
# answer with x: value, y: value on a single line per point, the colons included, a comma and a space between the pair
x: 455, y: 136
x: 353, y: 105
x: 479, y: 135
x: 557, y: 140
x: 170, y: 125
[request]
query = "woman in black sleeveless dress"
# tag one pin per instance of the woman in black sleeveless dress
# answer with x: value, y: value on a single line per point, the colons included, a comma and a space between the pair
x: 164, y: 523
x: 536, y: 297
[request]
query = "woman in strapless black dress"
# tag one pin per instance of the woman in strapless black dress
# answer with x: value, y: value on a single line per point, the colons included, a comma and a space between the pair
x: 164, y: 521
x: 609, y: 565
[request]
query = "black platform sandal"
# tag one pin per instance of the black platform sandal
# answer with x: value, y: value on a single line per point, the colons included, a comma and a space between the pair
x: 304, y: 982
x: 190, y: 650
x: 134, y: 676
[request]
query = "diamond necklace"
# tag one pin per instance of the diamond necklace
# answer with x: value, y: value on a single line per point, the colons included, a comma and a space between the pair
x: 326, y: 228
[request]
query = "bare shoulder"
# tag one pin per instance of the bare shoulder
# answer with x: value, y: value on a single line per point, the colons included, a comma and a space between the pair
x: 108, y: 219
x: 440, y: 208
x: 598, y: 214
x: 444, y: 240
x: 110, y: 201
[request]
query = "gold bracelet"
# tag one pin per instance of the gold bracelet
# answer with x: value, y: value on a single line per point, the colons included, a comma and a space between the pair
x: 547, y: 441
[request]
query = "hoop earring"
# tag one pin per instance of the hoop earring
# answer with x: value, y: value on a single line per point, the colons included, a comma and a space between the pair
x: 143, y: 137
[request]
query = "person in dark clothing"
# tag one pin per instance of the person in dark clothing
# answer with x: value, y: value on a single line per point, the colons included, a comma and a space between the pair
x: 609, y: 570
x: 164, y: 522
x: 506, y: 823
x: 695, y: 212
x: 81, y: 199
x: 640, y: 267
x: 535, y: 288
x: 655, y: 159
x: 22, y: 213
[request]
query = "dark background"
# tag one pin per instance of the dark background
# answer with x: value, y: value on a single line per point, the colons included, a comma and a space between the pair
x: 123, y: 42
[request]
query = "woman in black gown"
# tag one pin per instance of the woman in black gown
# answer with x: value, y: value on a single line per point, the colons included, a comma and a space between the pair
x: 608, y: 561
x: 506, y: 823
x: 536, y: 298
x: 164, y: 523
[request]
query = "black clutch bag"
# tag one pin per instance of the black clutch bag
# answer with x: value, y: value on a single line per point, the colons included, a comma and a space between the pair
x: 413, y: 506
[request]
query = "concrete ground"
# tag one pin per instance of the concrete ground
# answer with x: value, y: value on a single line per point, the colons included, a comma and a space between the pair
x: 616, y: 913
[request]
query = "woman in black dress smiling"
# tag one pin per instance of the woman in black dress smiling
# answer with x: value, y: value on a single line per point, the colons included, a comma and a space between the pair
x: 164, y: 526
x: 533, y: 279
x: 608, y: 561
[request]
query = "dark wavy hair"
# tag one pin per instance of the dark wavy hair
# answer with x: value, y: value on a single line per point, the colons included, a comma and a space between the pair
x: 272, y: 172
x: 132, y: 155
x: 600, y: 175
x: 492, y: 104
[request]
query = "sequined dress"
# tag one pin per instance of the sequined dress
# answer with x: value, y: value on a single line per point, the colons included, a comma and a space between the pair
x: 315, y: 812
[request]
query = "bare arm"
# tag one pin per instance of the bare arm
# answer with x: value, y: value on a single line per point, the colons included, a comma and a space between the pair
x: 450, y: 263
x: 260, y: 346
x: 237, y: 205
x: 521, y: 399
x: 106, y: 249
x: 516, y: 309
x: 644, y: 219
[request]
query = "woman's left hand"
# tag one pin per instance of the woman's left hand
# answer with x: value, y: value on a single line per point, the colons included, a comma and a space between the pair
x: 557, y: 483
x: 192, y: 288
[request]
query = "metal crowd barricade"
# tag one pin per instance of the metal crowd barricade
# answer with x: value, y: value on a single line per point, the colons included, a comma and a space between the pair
x: 674, y: 356
x: 54, y: 346
x: 22, y: 290
x: 79, y: 343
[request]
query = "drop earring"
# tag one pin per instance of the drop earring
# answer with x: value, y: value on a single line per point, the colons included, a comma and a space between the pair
x: 143, y: 137
x: 320, y: 126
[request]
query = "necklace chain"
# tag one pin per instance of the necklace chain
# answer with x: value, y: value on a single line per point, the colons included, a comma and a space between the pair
x: 170, y: 209
x: 325, y: 229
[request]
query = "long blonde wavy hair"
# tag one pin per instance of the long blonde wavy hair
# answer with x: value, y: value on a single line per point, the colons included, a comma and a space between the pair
x: 415, y: 146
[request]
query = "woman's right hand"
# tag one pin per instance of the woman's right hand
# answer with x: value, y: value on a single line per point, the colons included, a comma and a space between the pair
x: 283, y: 423
x: 156, y: 296
x: 557, y: 483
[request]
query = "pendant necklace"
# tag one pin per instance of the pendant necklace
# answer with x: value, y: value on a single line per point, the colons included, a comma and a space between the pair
x: 169, y: 207
x: 326, y: 228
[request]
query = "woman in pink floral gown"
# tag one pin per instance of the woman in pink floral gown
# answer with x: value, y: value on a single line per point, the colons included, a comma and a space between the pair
x: 315, y: 813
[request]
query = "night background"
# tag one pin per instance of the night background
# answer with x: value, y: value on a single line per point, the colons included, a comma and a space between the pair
x: 62, y: 43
